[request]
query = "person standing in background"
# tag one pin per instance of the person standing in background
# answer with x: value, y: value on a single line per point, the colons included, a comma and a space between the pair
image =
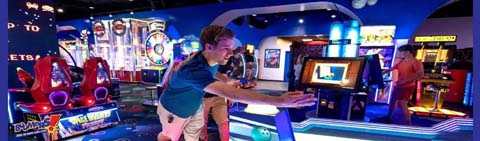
x: 409, y: 71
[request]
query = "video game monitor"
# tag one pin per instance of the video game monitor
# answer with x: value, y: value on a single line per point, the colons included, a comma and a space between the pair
x: 332, y: 72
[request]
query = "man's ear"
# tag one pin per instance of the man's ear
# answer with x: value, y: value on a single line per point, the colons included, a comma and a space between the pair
x: 208, y: 46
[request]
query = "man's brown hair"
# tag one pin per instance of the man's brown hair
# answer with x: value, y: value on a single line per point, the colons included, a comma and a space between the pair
x: 213, y: 34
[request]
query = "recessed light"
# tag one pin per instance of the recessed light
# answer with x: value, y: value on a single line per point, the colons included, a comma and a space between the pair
x: 91, y: 7
x: 300, y: 21
x: 334, y: 16
x: 254, y: 15
x: 131, y: 12
x: 328, y: 9
x: 110, y: 15
x: 91, y: 17
x: 60, y: 10
x: 266, y: 21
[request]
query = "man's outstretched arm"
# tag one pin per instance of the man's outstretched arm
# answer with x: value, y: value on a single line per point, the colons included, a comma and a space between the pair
x: 289, y: 99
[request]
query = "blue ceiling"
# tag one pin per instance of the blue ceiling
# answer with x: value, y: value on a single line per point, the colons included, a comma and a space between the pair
x: 407, y: 15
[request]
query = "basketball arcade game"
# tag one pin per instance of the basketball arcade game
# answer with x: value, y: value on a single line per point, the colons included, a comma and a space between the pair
x: 48, y: 110
x: 120, y: 42
x: 434, y: 86
x: 379, y: 40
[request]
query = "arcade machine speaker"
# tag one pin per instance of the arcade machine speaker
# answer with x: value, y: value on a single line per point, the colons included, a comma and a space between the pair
x: 96, y: 85
x: 52, y: 87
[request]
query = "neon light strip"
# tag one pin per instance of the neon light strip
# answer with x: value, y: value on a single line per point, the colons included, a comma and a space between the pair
x: 244, y: 65
x: 391, y: 82
x: 309, y: 137
x: 10, y: 117
x: 447, y: 125
x: 359, y: 124
x: 256, y: 68
x: 376, y: 94
x: 372, y: 126
x: 414, y: 134
x: 426, y: 131
x: 252, y: 122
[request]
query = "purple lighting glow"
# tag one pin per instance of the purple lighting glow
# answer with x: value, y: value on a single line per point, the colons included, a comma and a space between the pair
x: 100, y: 93
x: 58, y: 98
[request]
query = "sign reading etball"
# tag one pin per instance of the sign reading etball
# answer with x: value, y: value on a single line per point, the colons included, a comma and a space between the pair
x: 99, y: 28
x: 119, y: 27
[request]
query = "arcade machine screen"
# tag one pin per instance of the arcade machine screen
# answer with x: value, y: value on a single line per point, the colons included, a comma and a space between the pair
x: 58, y: 78
x: 329, y: 73
x: 432, y: 55
x: 187, y: 47
x: 385, y: 55
x: 332, y: 72
x: 102, y: 75
x: 338, y: 86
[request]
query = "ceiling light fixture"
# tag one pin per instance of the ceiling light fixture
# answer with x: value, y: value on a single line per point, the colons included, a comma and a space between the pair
x: 328, y: 9
x: 254, y: 15
x: 60, y: 10
x: 110, y: 15
x: 131, y: 13
x: 359, y: 4
x: 372, y: 2
x: 266, y: 21
x: 333, y: 16
x: 90, y: 5
x: 300, y: 21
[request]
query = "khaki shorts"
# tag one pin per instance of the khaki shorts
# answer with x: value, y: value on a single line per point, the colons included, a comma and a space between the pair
x: 173, y: 126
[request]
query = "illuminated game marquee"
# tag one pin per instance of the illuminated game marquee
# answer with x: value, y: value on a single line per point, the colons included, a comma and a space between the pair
x: 332, y: 72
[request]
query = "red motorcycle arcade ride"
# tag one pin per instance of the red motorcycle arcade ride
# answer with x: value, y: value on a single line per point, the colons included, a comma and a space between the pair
x: 50, y: 111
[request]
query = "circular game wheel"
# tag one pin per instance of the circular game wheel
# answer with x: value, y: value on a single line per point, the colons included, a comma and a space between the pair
x: 158, y: 49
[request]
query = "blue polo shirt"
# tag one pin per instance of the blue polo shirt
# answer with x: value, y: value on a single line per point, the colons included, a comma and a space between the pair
x: 184, y: 93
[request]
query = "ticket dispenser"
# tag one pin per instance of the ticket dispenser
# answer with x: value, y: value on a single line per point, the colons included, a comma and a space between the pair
x: 52, y: 87
x: 96, y: 85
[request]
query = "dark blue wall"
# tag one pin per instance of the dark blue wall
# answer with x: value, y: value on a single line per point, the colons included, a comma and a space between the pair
x: 22, y: 42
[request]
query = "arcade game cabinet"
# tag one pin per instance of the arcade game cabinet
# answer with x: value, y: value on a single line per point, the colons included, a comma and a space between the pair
x: 159, y: 50
x: 52, y: 108
x: 379, y: 40
x: 337, y: 83
x: 96, y: 86
x: 51, y: 88
x: 434, y: 86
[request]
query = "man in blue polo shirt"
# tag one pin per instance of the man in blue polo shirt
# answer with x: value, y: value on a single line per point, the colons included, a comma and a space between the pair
x: 180, y: 109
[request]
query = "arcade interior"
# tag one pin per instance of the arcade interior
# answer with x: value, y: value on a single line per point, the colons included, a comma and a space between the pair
x: 94, y: 70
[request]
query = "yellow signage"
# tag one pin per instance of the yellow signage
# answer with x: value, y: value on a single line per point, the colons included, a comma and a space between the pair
x: 436, y: 38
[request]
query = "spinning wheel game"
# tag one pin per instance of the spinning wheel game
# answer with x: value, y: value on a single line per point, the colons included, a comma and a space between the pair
x: 158, y: 50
